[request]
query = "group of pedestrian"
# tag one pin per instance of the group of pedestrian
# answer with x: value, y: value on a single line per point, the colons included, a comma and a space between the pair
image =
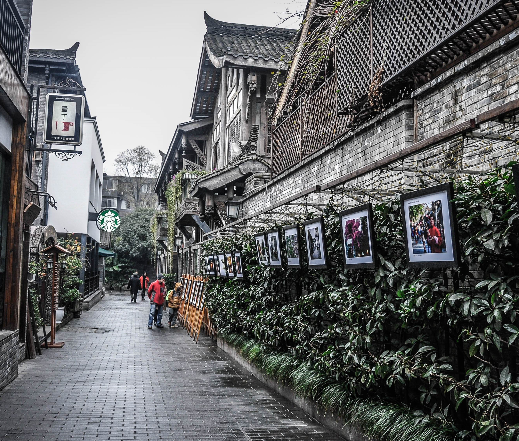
x: 157, y: 295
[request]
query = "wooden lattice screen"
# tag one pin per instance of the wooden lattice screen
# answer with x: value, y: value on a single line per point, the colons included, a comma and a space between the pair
x: 407, y: 39
x: 312, y: 126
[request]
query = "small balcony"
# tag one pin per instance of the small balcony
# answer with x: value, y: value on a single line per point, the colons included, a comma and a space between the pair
x: 161, y: 235
x: 12, y: 32
x: 187, y: 208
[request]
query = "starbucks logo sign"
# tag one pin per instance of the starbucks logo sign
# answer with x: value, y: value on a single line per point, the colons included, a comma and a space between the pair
x: 108, y: 220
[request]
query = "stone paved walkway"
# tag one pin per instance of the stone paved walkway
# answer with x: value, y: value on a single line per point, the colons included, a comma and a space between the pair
x: 116, y: 380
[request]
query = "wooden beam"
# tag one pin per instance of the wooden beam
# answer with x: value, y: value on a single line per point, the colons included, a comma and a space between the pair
x: 11, y: 316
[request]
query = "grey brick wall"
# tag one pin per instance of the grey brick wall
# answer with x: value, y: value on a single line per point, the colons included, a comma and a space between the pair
x: 9, y: 357
x: 486, y: 80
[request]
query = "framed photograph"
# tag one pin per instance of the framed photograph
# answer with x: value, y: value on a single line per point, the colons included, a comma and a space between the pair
x: 292, y: 245
x: 222, y: 265
x: 315, y: 243
x: 358, y: 240
x: 430, y: 227
x: 261, y: 247
x: 210, y: 265
x: 515, y: 171
x: 229, y: 264
x: 274, y: 247
x: 238, y: 268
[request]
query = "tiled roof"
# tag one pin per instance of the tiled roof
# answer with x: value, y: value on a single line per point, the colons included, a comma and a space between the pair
x: 247, y: 41
x: 56, y: 55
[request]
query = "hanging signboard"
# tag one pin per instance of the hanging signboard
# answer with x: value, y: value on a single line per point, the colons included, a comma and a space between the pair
x: 108, y: 220
x: 64, y: 116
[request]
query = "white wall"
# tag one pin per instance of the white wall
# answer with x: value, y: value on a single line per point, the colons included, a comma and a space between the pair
x: 75, y: 183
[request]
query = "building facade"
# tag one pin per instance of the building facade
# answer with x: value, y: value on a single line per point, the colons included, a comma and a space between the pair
x: 15, y: 185
x: 224, y: 152
x: 71, y: 209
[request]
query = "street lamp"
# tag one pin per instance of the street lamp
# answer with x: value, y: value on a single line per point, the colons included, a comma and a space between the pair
x: 233, y: 209
x: 178, y: 241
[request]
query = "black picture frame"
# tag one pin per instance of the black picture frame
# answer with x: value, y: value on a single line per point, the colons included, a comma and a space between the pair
x: 221, y: 265
x: 364, y: 254
x: 515, y: 174
x: 210, y: 262
x: 315, y: 238
x: 262, y: 253
x: 229, y: 265
x: 273, y: 242
x: 423, y: 249
x: 291, y: 234
x: 238, y: 265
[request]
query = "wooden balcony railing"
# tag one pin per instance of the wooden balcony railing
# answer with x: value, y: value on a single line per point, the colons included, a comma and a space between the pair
x: 406, y: 41
x: 12, y: 32
x: 312, y: 126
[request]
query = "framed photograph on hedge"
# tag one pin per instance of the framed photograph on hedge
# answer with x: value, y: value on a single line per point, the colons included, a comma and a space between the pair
x: 315, y: 243
x: 357, y: 237
x: 210, y: 265
x: 274, y: 247
x: 222, y: 265
x: 229, y: 264
x: 430, y: 227
x: 261, y: 248
x: 292, y: 245
x: 238, y: 268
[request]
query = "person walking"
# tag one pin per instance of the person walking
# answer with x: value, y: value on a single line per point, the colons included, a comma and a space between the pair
x: 133, y: 285
x: 156, y: 294
x: 145, y: 284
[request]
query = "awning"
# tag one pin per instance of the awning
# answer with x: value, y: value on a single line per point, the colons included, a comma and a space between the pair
x: 105, y: 253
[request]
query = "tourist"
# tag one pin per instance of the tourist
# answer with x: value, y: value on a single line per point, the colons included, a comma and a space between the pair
x: 435, y: 239
x: 134, y: 285
x: 156, y: 294
x: 145, y: 284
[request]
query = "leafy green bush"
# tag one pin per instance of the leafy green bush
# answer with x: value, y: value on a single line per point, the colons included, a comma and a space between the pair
x: 443, y: 342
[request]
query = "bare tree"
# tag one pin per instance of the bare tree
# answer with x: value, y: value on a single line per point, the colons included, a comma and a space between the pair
x: 138, y: 165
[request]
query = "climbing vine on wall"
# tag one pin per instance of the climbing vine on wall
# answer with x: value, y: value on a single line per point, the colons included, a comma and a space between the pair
x: 443, y: 342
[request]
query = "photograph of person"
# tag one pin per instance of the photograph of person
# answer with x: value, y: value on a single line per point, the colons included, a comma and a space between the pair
x: 221, y: 264
x: 315, y: 243
x: 210, y: 265
x: 262, y: 249
x: 428, y: 227
x: 238, y: 264
x: 274, y: 248
x: 230, y: 265
x: 357, y: 237
x: 291, y: 236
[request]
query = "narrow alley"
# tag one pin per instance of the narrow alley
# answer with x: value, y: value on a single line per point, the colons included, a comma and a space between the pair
x: 116, y: 380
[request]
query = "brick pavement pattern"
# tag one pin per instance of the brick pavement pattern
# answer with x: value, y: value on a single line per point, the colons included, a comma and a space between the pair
x: 117, y: 380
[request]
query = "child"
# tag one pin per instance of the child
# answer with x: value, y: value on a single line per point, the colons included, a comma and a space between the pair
x: 173, y: 300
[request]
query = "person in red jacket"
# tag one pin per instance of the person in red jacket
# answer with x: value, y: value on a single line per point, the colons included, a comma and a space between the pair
x: 156, y: 293
x: 145, y: 283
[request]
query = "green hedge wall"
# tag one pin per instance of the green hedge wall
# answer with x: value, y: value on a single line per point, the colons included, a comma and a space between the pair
x: 442, y: 342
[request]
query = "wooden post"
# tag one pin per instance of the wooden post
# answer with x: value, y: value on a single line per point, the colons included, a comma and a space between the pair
x: 11, y: 316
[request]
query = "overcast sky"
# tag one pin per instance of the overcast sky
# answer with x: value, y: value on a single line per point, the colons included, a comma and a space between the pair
x: 139, y: 59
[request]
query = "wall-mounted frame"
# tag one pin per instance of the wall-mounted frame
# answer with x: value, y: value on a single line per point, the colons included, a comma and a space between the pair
x: 64, y: 115
x: 274, y: 247
x: 430, y: 227
x: 358, y: 239
x: 238, y: 265
x: 221, y: 265
x: 315, y: 243
x: 515, y: 171
x: 210, y: 265
x: 292, y: 241
x: 261, y: 248
x: 229, y: 264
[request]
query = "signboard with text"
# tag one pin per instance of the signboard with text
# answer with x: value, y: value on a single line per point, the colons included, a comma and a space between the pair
x: 64, y: 119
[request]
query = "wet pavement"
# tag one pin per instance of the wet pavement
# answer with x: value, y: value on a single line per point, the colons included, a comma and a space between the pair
x: 117, y: 380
